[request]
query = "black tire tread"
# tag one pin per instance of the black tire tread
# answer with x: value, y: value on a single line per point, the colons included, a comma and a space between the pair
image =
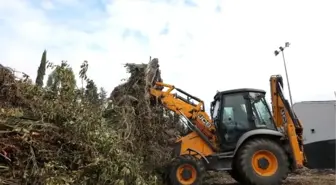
x: 234, y: 173
x: 190, y: 160
x: 247, y: 175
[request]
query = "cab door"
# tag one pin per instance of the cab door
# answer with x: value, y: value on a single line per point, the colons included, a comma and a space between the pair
x: 234, y: 120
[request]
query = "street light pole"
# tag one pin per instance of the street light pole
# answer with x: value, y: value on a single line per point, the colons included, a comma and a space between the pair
x: 285, y: 66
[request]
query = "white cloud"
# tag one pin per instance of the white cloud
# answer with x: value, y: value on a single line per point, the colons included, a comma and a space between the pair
x: 203, y: 50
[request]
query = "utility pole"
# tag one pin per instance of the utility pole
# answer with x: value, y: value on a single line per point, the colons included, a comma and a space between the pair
x: 276, y: 52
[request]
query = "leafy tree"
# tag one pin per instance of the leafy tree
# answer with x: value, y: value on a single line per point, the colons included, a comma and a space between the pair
x: 102, y: 95
x: 41, y: 70
x: 62, y: 79
x: 82, y: 73
x: 53, y: 81
x: 50, y: 81
x: 91, y: 91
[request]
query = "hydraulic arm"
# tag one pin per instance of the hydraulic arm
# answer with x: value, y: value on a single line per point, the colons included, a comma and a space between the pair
x: 286, y: 119
x: 190, y: 107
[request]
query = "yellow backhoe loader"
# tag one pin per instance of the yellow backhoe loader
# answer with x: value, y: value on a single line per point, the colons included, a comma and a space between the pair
x: 241, y: 137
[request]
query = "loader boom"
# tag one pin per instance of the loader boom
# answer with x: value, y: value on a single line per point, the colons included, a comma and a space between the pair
x: 190, y: 107
x: 286, y: 120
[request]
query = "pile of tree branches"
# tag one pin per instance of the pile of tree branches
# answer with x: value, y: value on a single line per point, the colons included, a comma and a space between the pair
x: 59, y: 133
x: 150, y: 128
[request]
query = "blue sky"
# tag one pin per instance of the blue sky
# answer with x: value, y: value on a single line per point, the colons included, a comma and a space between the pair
x: 203, y: 46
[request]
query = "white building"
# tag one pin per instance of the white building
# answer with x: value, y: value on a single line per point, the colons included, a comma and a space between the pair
x: 318, y: 119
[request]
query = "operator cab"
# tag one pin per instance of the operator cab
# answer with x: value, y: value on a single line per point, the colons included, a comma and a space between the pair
x: 238, y: 111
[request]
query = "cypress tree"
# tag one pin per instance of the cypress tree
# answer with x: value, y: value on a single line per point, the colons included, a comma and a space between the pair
x: 41, y: 70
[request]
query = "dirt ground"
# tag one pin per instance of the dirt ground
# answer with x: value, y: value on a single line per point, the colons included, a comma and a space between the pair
x: 306, y: 178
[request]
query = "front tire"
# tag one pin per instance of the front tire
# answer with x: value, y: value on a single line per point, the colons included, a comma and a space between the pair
x: 234, y: 171
x: 186, y: 170
x: 262, y: 162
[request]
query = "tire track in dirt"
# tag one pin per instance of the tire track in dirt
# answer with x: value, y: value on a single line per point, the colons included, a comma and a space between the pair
x: 306, y: 178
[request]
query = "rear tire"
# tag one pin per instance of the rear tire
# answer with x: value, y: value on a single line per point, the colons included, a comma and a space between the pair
x: 192, y: 165
x: 262, y: 162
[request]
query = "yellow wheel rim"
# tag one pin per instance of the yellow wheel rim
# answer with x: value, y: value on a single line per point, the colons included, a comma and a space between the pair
x: 179, y: 174
x: 264, y: 163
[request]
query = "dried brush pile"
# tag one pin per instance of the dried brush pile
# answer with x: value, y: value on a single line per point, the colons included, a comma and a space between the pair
x: 57, y: 135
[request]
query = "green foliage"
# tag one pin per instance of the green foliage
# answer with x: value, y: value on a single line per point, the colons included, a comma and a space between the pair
x: 102, y: 96
x: 64, y: 138
x: 82, y: 73
x: 41, y: 70
x: 91, y: 92
x: 84, y: 68
x: 62, y: 80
